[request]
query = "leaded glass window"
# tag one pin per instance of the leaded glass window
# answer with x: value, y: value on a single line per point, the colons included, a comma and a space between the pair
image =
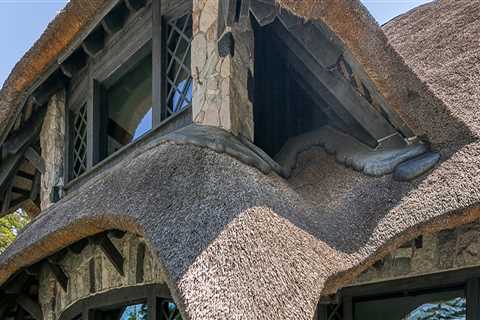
x: 79, y: 142
x: 178, y: 74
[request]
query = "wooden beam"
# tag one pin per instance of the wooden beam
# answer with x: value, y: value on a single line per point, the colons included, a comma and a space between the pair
x: 16, y: 284
x: 75, y: 62
x: 25, y: 193
x: 20, y: 314
x: 111, y: 252
x: 95, y: 42
x: 35, y: 159
x: 333, y: 88
x: 159, y: 86
x: 78, y: 246
x: 59, y: 275
x: 7, y: 197
x: 135, y: 5
x: 45, y: 91
x: 24, y: 136
x: 35, y: 191
x: 229, y: 9
x: 115, y: 19
x: 32, y: 307
x: 264, y: 13
x: 117, y: 234
x: 139, y: 274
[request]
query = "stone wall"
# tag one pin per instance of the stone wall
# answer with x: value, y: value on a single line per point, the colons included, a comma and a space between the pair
x: 52, y: 141
x: 222, y: 64
x: 54, y: 300
x: 449, y: 249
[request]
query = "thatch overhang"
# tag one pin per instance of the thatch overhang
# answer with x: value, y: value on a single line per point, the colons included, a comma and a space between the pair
x: 237, y: 241
x: 234, y: 239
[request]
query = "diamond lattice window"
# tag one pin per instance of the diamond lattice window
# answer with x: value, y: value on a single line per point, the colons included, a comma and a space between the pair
x: 179, y: 78
x: 79, y: 142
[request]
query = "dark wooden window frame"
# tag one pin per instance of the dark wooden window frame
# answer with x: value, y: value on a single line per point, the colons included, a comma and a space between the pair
x: 467, y: 279
x: 125, y: 46
x: 153, y: 295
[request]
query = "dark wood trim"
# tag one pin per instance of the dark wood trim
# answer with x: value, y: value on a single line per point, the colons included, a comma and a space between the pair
x: 111, y: 252
x: 32, y: 307
x: 158, y: 63
x: 35, y: 159
x: 473, y: 299
x: 140, y: 267
x: 128, y: 295
x: 59, y: 275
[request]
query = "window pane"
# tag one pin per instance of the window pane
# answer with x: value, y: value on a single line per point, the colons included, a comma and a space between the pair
x: 132, y: 312
x: 135, y: 312
x: 129, y: 103
x: 441, y: 305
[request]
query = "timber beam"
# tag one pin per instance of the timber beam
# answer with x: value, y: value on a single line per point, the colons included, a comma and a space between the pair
x: 111, y: 252
x: 135, y: 5
x: 58, y: 274
x: 115, y: 19
x: 334, y: 89
x: 95, y: 42
x: 32, y: 307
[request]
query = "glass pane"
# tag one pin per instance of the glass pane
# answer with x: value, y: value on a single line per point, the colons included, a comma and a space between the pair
x: 135, y: 312
x: 129, y: 103
x: 132, y: 312
x: 449, y: 305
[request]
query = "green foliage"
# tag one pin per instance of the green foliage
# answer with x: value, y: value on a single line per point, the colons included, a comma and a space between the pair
x: 9, y: 228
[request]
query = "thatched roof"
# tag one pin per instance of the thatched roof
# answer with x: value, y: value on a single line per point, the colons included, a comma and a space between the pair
x: 237, y: 242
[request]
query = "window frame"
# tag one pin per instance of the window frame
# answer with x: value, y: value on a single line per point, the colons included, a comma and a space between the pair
x: 468, y: 279
x: 145, y: 30
x: 151, y: 294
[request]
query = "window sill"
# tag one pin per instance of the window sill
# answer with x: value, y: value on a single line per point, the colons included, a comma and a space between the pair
x: 173, y: 123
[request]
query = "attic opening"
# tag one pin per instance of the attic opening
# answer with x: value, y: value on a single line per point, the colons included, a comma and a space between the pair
x: 302, y: 82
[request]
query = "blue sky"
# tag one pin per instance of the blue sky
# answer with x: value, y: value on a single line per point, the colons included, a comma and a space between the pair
x: 22, y: 22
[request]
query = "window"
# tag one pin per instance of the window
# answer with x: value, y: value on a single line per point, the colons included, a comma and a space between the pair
x: 178, y: 75
x: 137, y: 81
x: 451, y: 295
x: 132, y: 303
x: 129, y: 106
x: 435, y: 305
x: 79, y: 142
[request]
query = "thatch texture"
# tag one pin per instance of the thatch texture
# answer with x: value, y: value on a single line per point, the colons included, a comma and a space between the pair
x: 238, y: 243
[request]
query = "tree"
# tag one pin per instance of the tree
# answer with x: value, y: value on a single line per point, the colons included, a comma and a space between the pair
x: 10, y: 226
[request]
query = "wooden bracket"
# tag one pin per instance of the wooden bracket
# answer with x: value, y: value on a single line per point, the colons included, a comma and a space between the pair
x: 32, y: 307
x: 59, y: 275
x: 111, y: 252
x: 36, y: 160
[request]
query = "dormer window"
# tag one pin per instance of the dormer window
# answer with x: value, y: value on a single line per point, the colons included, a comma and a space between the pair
x: 131, y: 76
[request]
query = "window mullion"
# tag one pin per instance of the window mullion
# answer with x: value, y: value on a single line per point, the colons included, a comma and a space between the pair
x: 473, y: 299
x: 158, y: 63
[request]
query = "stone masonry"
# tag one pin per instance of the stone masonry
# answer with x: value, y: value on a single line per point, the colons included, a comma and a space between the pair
x: 52, y: 139
x: 449, y: 249
x: 222, y: 64
x: 54, y: 300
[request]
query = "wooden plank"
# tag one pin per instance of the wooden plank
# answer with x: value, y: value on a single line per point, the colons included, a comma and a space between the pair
x: 35, y: 159
x: 20, y: 314
x: 95, y: 42
x: 333, y: 88
x: 115, y: 19
x: 91, y: 277
x: 139, y: 274
x: 25, y: 193
x: 59, y: 275
x: 473, y: 299
x: 78, y: 246
x: 111, y: 252
x: 32, y: 307
x: 35, y: 191
x: 158, y: 62
x: 135, y: 5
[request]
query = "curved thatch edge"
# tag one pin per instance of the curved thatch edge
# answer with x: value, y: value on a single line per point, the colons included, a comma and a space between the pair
x: 231, y: 239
